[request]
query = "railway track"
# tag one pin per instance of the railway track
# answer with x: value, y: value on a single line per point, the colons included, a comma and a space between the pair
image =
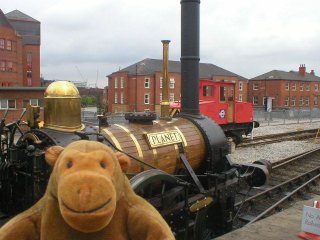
x: 273, y: 138
x: 291, y: 179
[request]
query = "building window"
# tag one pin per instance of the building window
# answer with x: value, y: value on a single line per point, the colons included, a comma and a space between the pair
x: 255, y: 100
x: 222, y: 94
x: 207, y: 91
x: 147, y: 83
x: 116, y: 83
x: 2, y: 66
x: 308, y: 87
x: 240, y: 86
x: 160, y: 97
x: 286, y: 101
x: 121, y: 82
x: 7, y: 103
x: 121, y: 98
x: 115, y: 97
x: 256, y: 86
x: 294, y: 87
x: 1, y: 43
x: 293, y: 101
x: 315, y: 100
x: 301, y: 101
x: 146, y: 98
x: 307, y: 101
x: 301, y: 87
x: 161, y: 82
x: 316, y: 87
x: 171, y: 97
x: 32, y: 102
x: 171, y: 84
x: 240, y: 98
x: 287, y: 87
x: 9, y: 45
x: 9, y: 66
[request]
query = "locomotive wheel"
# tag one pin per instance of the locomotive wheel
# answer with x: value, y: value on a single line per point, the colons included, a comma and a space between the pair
x: 200, y: 230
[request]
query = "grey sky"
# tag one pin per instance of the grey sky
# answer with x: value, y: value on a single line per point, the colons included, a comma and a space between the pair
x: 247, y: 37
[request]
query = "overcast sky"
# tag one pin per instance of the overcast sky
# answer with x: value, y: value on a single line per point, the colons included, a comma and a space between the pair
x: 87, y: 40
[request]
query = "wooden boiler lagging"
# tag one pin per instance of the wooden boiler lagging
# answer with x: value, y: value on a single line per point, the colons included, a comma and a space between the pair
x: 132, y: 139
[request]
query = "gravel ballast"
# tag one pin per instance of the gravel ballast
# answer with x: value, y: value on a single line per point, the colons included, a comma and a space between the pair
x: 276, y: 151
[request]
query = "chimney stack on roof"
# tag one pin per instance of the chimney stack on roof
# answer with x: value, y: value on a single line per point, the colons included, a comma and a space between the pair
x: 302, y: 70
x: 312, y: 72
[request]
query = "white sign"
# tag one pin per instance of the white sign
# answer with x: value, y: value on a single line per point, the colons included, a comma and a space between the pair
x: 222, y: 113
x: 311, y: 220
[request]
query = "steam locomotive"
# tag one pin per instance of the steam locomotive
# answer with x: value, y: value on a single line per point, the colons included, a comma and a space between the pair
x: 180, y: 165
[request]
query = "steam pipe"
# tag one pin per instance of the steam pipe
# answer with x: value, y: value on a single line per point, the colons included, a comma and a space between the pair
x: 190, y: 25
x: 165, y: 97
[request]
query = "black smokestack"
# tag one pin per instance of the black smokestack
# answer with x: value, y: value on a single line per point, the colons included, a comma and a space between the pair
x: 190, y: 25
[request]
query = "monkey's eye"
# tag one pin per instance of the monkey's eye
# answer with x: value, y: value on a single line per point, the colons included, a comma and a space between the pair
x: 69, y: 164
x: 103, y: 164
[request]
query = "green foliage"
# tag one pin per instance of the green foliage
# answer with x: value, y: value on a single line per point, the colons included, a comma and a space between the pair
x: 88, y: 101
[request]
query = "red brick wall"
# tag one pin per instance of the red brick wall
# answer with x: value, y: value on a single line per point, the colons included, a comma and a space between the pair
x: 19, y: 96
x: 14, y: 77
x: 35, y: 51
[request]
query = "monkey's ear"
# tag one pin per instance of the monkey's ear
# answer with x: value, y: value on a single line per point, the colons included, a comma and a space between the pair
x: 52, y: 154
x: 124, y: 161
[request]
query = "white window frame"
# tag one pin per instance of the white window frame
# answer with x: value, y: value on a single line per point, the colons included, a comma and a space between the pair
x: 301, y: 87
x: 316, y: 87
x: 293, y: 101
x: 147, y: 98
x: 115, y: 97
x: 116, y: 83
x: 240, y: 85
x: 315, y: 100
x: 307, y: 100
x: 286, y: 101
x: 161, y: 82
x: 294, y: 87
x: 121, y: 82
x: 301, y: 101
x: 171, y: 97
x: 147, y: 82
x: 255, y: 86
x: 171, y: 83
x: 287, y: 86
x: 121, y: 97
x: 307, y: 87
x: 5, y: 103
x: 240, y: 99
x: 160, y: 97
x: 255, y: 100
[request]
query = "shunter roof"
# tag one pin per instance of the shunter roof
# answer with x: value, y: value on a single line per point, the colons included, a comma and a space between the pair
x: 149, y: 66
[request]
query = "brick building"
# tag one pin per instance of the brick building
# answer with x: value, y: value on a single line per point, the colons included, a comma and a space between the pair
x: 294, y: 89
x: 138, y: 87
x: 19, y: 63
x: 19, y: 50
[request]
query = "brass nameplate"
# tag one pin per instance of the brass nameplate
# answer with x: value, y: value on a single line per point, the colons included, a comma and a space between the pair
x: 161, y: 139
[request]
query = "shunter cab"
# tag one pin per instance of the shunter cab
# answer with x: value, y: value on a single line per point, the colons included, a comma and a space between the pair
x: 218, y: 101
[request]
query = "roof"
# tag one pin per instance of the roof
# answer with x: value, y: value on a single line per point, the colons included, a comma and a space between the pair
x: 22, y: 88
x: 149, y: 66
x: 17, y: 15
x: 26, y: 26
x: 282, y: 75
x: 4, y: 21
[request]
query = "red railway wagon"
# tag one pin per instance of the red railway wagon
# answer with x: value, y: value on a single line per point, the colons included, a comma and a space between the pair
x: 217, y: 101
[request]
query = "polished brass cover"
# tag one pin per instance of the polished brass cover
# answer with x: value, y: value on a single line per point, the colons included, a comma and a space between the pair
x: 62, y: 107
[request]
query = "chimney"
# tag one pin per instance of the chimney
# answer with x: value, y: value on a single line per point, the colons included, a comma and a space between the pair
x: 312, y: 72
x: 302, y: 70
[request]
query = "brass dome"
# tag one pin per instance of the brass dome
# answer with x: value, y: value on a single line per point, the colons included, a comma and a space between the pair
x: 61, y: 89
x: 62, y: 107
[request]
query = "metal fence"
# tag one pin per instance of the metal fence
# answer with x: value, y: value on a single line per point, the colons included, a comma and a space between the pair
x: 286, y: 116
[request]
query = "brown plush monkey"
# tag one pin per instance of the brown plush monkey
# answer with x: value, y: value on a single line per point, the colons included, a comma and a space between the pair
x: 88, y: 197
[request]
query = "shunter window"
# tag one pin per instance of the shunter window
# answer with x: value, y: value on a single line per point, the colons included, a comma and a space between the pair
x: 222, y: 94
x: 208, y: 91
